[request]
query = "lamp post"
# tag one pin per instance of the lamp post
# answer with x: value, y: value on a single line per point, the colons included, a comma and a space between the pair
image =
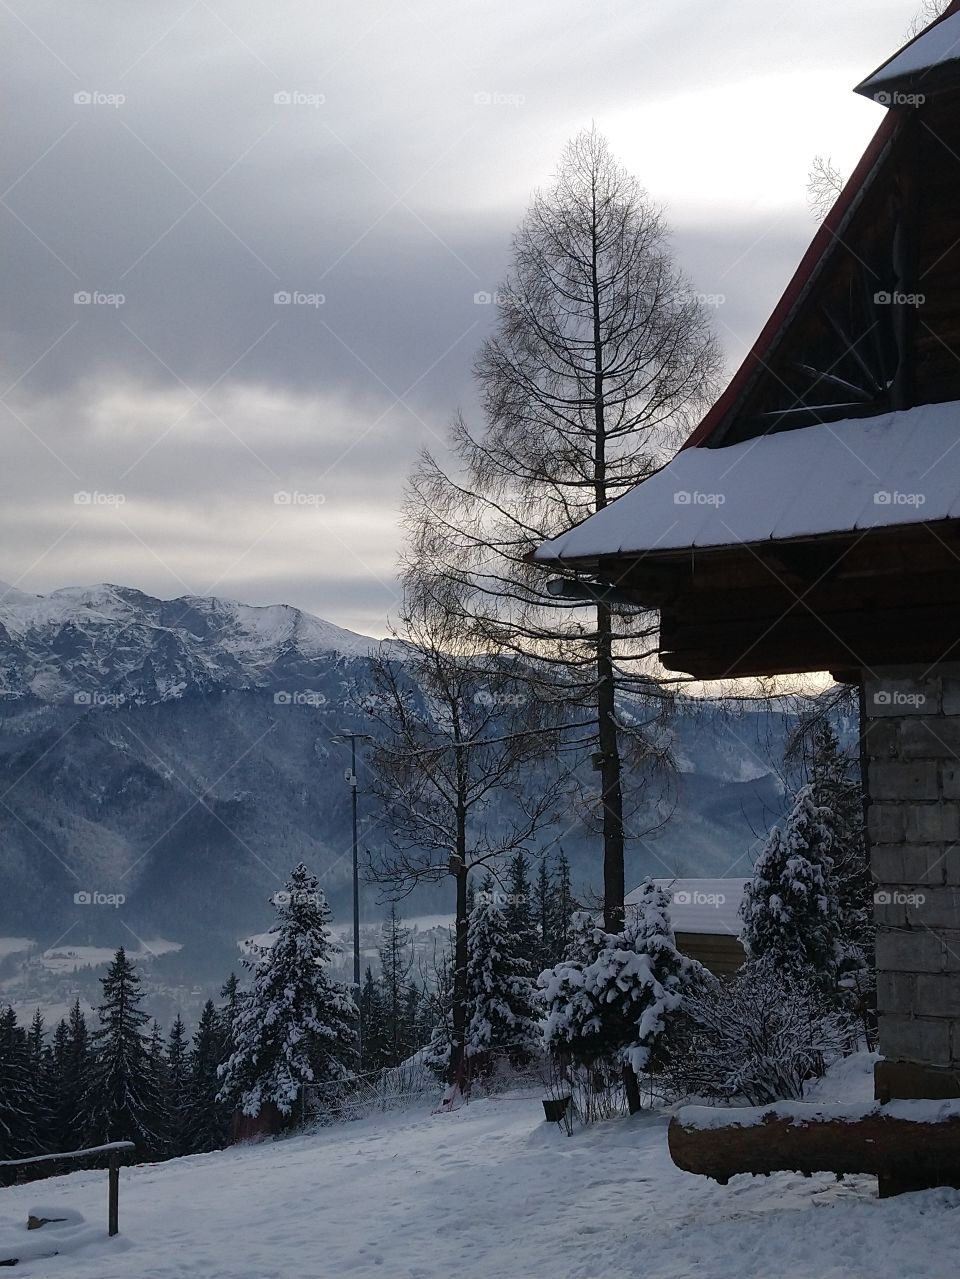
x: 351, y: 778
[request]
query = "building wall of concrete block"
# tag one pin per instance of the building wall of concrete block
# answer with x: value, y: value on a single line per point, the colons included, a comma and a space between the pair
x: 911, y: 752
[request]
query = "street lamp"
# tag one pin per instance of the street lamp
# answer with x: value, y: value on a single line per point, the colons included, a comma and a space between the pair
x: 350, y: 776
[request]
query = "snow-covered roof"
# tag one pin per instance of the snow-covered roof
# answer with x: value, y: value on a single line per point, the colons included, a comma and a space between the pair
x: 898, y: 468
x: 701, y: 905
x: 935, y: 47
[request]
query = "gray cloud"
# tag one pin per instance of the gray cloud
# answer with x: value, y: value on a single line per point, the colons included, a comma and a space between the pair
x: 199, y: 197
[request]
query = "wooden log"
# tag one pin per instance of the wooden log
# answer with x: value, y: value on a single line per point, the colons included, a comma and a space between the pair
x: 807, y: 1139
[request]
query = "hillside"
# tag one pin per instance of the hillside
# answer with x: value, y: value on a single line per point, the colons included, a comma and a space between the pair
x: 490, y: 1191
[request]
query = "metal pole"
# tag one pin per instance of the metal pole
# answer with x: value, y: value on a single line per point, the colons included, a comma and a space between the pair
x: 113, y: 1227
x: 356, y: 871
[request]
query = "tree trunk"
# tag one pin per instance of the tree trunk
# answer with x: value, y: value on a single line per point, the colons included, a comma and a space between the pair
x: 612, y: 791
x: 460, y: 955
x: 904, y: 1153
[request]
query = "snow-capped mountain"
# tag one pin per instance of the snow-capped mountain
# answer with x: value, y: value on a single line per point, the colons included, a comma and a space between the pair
x: 113, y: 640
x: 182, y: 755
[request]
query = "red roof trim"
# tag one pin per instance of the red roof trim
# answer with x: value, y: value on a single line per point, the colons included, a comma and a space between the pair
x: 810, y: 263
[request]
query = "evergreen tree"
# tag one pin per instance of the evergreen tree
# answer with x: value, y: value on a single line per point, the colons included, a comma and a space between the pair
x: 836, y: 789
x: 16, y: 1092
x: 543, y: 916
x: 297, y: 1025
x: 791, y: 911
x: 564, y: 906
x: 176, y: 1098
x: 518, y: 911
x: 502, y: 1001
x: 410, y: 1026
x: 206, y: 1118
x: 72, y: 1122
x: 121, y: 1102
x: 612, y: 1000
x: 396, y: 961
x: 41, y: 1085
x: 373, y: 1045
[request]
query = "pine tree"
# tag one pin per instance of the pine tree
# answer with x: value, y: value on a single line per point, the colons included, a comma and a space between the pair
x: 41, y: 1084
x: 206, y: 1119
x: 395, y: 964
x: 410, y: 1027
x: 176, y: 1100
x: 836, y: 788
x: 16, y: 1092
x: 518, y: 912
x: 373, y: 1045
x: 71, y: 1117
x: 121, y: 1102
x: 297, y: 1025
x: 502, y: 1000
x: 563, y: 908
x: 543, y: 916
x: 791, y: 911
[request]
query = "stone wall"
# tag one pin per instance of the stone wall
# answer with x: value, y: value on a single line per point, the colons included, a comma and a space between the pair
x: 911, y: 747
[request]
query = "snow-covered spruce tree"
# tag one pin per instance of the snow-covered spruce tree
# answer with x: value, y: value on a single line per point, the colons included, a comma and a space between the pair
x: 41, y: 1084
x: 502, y: 1000
x: 613, y: 1000
x: 120, y: 1103
x: 206, y: 1119
x: 791, y: 910
x: 296, y: 1025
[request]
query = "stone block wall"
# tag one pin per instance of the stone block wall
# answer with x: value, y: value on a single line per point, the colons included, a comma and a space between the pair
x: 911, y: 749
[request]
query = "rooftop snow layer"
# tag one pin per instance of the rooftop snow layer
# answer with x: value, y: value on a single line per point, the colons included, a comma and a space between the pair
x: 937, y: 45
x: 898, y: 468
x: 701, y: 905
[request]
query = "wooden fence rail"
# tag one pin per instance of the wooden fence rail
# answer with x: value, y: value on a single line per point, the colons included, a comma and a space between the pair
x: 113, y: 1150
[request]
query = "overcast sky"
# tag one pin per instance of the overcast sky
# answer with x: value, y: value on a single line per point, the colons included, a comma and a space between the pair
x: 196, y: 159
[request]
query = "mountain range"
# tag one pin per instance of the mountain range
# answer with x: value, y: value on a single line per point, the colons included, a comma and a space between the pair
x: 179, y: 754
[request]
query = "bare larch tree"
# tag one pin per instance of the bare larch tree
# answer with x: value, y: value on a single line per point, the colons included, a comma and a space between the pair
x: 602, y: 357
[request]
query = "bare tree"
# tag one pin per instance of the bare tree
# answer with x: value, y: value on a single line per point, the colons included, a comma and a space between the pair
x: 601, y: 359
x: 824, y: 184
x: 928, y: 11
x: 453, y: 768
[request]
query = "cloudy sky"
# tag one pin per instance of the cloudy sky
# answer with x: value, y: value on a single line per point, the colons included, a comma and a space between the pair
x: 182, y: 164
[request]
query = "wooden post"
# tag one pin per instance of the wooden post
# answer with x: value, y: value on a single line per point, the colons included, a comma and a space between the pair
x: 114, y: 1210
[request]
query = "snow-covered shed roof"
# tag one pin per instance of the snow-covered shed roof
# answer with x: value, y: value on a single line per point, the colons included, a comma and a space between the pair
x: 898, y: 468
x: 935, y: 49
x: 705, y: 906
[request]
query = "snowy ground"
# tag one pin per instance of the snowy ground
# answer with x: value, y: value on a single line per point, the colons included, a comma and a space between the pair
x: 491, y: 1192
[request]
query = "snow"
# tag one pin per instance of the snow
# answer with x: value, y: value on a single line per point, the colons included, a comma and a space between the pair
x: 701, y: 905
x: 254, y: 629
x: 898, y: 468
x: 491, y: 1190
x: 935, y: 46
x: 799, y: 1113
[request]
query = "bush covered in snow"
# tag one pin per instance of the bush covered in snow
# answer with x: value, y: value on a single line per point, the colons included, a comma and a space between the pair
x: 758, y: 1038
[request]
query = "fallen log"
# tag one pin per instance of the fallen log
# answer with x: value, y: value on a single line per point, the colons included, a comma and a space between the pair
x: 908, y: 1144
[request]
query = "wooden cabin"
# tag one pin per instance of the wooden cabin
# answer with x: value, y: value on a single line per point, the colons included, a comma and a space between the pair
x: 812, y: 522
